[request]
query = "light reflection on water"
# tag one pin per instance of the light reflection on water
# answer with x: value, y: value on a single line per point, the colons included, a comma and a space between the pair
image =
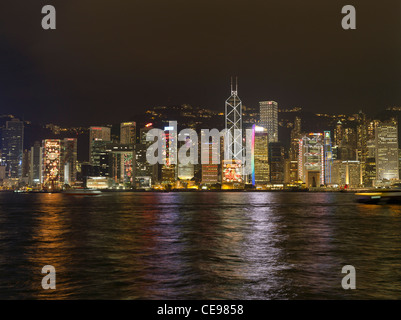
x: 198, y: 246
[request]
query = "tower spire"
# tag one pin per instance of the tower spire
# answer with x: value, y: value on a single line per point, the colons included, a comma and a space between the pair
x: 236, y: 84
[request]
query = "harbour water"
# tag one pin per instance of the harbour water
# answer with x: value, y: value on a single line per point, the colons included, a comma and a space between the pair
x: 198, y: 246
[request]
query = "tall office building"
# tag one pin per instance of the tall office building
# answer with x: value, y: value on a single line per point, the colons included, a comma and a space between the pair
x: 232, y: 168
x: 291, y: 164
x: 276, y: 162
x: 362, y: 140
x: 121, y: 163
x: 295, y: 136
x: 311, y: 160
x: 100, y: 158
x: 69, y: 160
x: 353, y: 173
x: 145, y: 174
x: 233, y: 125
x: 387, y: 151
x: 169, y: 169
x: 35, y: 168
x: 338, y: 133
x: 350, y: 140
x: 26, y: 162
x: 269, y: 118
x: 347, y: 173
x: 186, y: 171
x: 52, y: 163
x: 97, y: 134
x: 372, y: 129
x: 328, y: 157
x: 260, y: 159
x: 291, y: 171
x: 362, y: 136
x: 12, y: 148
x: 210, y: 171
x: 369, y: 174
x: 128, y: 133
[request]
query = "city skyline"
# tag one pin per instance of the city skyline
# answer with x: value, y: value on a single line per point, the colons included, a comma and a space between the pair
x: 361, y: 152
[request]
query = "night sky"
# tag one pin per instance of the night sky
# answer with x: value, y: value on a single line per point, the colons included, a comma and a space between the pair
x: 109, y: 60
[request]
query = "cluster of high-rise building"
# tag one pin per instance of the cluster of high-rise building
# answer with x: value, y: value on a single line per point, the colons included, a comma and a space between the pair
x: 365, y: 153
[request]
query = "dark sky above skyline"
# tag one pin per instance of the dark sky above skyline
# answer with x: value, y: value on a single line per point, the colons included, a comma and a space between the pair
x: 108, y: 60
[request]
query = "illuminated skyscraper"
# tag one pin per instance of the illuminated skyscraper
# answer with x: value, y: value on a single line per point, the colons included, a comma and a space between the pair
x: 311, y: 160
x: 97, y: 134
x: 12, y: 150
x: 35, y: 168
x: 328, y: 157
x: 26, y: 162
x: 369, y: 175
x: 371, y: 129
x: 69, y: 160
x: 387, y: 151
x: 352, y: 173
x: 233, y: 125
x: 338, y: 134
x: 100, y: 159
x: 232, y: 168
x: 128, y: 133
x: 295, y: 136
x: 145, y: 174
x: 291, y: 169
x: 51, y: 163
x: 210, y: 171
x: 362, y: 149
x: 276, y: 162
x: 350, y: 142
x: 185, y: 171
x: 260, y: 148
x: 269, y: 118
x: 121, y: 164
x: 169, y: 169
x: 347, y: 173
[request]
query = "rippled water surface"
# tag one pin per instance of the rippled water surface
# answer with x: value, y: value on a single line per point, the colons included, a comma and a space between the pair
x: 198, y: 246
